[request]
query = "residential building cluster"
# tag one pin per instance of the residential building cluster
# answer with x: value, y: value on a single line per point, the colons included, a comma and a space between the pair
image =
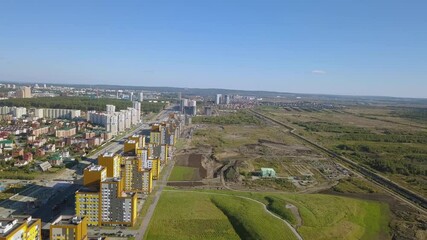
x: 111, y: 188
x: 116, y: 122
x: 20, y: 228
x: 223, y: 99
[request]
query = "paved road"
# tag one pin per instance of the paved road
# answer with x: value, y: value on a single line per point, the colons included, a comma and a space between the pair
x: 147, y: 218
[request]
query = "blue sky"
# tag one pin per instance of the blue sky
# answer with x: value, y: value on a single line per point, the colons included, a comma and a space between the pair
x: 360, y: 47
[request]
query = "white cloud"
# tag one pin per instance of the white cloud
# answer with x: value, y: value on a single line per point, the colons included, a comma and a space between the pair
x: 319, y: 72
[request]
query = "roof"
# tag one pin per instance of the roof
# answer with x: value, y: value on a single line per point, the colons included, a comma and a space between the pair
x: 68, y: 220
x: 55, y: 157
x: 95, y: 168
x: 108, y: 154
x: 267, y: 169
x: 45, y: 166
x: 6, y: 142
x: 8, y: 225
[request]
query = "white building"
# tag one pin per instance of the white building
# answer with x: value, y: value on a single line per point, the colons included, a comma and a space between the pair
x: 38, y: 113
x: 218, y: 99
x: 137, y: 106
x: 109, y: 121
x: 61, y: 113
x: 18, y: 112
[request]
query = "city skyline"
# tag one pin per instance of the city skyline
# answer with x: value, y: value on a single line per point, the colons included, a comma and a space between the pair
x: 345, y: 48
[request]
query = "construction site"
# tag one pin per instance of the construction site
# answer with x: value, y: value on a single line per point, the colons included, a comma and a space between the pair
x: 231, y: 156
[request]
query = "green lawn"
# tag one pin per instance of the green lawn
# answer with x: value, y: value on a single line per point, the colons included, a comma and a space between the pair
x: 180, y: 173
x: 333, y: 217
x: 188, y: 216
x: 211, y: 215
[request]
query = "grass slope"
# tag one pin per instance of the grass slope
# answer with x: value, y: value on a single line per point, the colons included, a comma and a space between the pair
x: 190, y: 215
x: 333, y: 217
x: 210, y: 215
x: 181, y: 173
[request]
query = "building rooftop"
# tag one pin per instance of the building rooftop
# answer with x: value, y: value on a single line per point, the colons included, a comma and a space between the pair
x: 87, y: 190
x: 67, y: 220
x: 108, y: 154
x: 112, y: 179
x: 95, y: 168
x: 267, y: 169
x: 8, y: 225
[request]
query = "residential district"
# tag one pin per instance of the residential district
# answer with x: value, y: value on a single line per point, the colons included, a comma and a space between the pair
x: 123, y: 157
x: 112, y: 188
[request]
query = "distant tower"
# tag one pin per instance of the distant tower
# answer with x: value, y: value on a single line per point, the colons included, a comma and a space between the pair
x: 141, y: 96
x: 137, y: 106
x: 179, y: 96
x: 131, y: 96
x: 23, y: 92
x: 218, y: 99
x: 117, y: 94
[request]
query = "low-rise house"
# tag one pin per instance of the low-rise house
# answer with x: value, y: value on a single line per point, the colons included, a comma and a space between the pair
x: 89, y: 135
x: 40, y: 152
x: 56, y: 160
x: 93, y: 142
x: 28, y: 156
x: 6, y: 144
x: 50, y: 148
x: 40, y: 142
x: 18, y: 153
x: 5, y: 158
x: 21, y: 163
x: 31, y: 138
x: 66, y: 132
x: 60, y: 143
x: 45, y: 166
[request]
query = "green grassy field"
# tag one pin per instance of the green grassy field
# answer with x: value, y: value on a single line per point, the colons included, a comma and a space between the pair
x: 211, y: 215
x: 181, y: 173
x: 332, y: 217
x: 188, y: 216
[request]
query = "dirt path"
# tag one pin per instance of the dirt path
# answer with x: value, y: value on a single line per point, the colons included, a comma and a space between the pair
x: 295, y: 212
x: 294, y: 231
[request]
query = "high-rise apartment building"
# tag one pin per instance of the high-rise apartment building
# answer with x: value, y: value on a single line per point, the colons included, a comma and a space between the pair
x: 137, y: 106
x: 218, y: 99
x: 23, y: 92
x: 20, y: 228
x: 117, y: 207
x: 61, y: 113
x: 104, y: 201
x: 137, y: 179
x: 111, y: 109
x: 69, y: 228
x: 111, y: 162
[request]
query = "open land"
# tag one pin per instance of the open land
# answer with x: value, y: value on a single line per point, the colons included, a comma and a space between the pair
x: 379, y: 138
x: 229, y: 155
x: 228, y: 215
